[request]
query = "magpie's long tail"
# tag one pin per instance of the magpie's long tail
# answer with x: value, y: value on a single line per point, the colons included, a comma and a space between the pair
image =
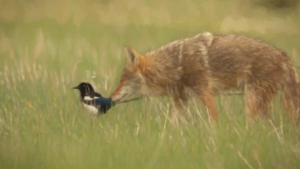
x: 129, y: 100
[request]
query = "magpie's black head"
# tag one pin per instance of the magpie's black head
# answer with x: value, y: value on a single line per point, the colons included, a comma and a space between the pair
x: 85, y: 89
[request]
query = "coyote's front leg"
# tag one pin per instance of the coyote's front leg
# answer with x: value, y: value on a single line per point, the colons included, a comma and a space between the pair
x: 179, y: 103
x: 208, y: 101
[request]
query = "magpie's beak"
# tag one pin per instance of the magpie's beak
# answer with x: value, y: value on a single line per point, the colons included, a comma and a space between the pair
x: 76, y: 87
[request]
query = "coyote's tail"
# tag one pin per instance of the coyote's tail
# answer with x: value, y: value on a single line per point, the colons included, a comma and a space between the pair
x: 291, y: 94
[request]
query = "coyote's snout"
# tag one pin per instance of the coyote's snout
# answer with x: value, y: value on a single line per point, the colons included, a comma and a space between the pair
x: 207, y: 65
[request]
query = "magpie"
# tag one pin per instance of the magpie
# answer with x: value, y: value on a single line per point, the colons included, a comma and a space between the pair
x: 92, y: 100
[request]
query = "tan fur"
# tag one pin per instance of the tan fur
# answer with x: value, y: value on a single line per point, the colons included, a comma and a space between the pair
x: 207, y: 65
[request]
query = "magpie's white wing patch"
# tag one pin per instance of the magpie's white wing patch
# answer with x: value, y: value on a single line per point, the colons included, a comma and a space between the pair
x: 88, y: 98
x: 91, y: 108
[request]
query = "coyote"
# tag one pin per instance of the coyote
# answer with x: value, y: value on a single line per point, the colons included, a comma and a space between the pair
x: 207, y: 65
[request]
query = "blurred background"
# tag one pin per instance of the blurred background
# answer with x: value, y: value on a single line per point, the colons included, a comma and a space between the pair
x: 49, y: 46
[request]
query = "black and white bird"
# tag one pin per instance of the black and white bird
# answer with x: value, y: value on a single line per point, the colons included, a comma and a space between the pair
x: 93, y: 101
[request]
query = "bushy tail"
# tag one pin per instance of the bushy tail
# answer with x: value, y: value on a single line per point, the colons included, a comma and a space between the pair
x: 291, y: 95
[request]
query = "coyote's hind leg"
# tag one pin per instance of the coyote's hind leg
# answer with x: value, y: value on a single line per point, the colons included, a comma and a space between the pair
x: 258, y: 97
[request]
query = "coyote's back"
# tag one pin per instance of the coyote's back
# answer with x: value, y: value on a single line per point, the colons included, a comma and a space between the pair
x: 207, y: 65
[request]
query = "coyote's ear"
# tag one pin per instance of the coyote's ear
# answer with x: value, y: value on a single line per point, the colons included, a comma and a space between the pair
x: 132, y: 55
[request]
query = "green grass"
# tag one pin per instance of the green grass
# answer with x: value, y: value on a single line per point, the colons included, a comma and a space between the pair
x: 48, y: 47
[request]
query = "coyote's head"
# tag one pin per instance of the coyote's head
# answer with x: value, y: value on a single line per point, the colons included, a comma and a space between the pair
x: 131, y: 80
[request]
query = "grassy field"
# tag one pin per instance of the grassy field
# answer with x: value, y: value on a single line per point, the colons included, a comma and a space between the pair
x: 47, y: 47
